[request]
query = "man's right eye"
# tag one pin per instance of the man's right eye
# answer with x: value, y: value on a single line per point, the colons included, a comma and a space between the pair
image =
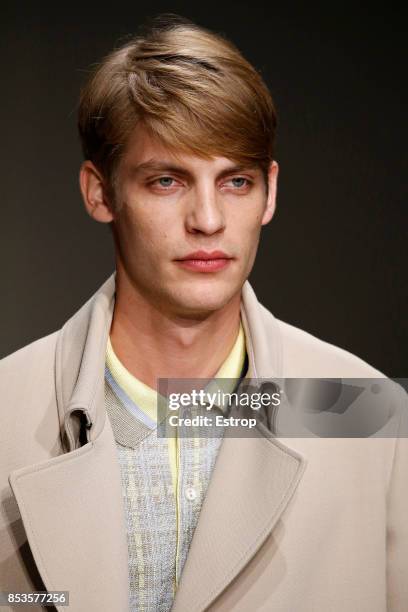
x: 163, y: 182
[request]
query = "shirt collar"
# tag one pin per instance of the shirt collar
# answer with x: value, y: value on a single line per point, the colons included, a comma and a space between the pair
x: 224, y: 381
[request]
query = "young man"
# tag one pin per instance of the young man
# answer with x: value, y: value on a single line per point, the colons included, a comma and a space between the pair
x: 178, y: 136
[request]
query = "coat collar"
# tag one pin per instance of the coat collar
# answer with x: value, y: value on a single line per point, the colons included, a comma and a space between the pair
x: 80, y: 356
x: 80, y: 504
x: 80, y: 364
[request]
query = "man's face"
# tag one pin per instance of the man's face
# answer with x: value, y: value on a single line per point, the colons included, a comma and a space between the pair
x: 175, y: 205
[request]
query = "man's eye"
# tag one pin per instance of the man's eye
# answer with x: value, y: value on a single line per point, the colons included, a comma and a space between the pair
x: 165, y: 181
x: 239, y: 182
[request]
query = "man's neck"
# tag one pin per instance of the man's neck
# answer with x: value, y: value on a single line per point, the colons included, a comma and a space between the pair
x: 152, y: 344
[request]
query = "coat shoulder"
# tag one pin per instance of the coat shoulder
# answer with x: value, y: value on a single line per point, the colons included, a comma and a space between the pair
x: 32, y: 355
x: 305, y: 355
x: 29, y: 426
x: 28, y: 372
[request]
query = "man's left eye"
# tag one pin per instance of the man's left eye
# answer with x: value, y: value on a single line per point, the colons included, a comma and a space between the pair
x: 166, y: 181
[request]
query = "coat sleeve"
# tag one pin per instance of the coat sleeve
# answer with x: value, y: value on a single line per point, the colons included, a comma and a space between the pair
x: 397, y: 518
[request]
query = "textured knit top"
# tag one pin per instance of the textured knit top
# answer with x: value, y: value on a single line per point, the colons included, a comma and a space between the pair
x: 164, y: 480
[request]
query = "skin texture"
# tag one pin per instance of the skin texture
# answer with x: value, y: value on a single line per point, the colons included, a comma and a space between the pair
x: 169, y: 321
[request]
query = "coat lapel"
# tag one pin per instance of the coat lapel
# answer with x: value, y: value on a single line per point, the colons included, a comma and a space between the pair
x: 71, y: 508
x: 252, y: 483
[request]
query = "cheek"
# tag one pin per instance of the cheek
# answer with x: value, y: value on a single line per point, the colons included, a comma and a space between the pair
x: 246, y: 223
x: 148, y: 235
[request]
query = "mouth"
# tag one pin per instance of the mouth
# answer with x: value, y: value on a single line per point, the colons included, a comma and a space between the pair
x: 203, y: 261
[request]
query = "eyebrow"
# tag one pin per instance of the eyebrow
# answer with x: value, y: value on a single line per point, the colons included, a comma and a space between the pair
x: 163, y: 166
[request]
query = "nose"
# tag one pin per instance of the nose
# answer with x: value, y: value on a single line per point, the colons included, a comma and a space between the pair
x: 205, y: 213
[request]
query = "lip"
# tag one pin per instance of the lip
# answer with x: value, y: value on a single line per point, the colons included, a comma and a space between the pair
x: 204, y: 261
x: 205, y: 255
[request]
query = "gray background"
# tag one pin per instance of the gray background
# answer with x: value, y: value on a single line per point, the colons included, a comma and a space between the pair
x: 333, y: 259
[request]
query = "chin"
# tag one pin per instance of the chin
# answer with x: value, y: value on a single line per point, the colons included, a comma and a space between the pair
x: 201, y: 298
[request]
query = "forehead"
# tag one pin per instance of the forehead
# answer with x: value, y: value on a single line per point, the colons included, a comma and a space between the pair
x: 144, y: 150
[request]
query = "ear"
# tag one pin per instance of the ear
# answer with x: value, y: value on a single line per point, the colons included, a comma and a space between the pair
x: 94, y: 193
x: 272, y: 189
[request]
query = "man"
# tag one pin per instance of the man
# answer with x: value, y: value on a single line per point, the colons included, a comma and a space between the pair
x: 178, y: 137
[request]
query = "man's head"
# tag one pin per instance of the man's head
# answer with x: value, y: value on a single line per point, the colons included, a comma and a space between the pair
x: 178, y: 131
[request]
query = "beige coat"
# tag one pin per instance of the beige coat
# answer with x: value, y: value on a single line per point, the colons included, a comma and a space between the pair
x: 288, y: 524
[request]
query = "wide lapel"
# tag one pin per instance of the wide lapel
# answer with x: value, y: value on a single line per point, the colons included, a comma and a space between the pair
x: 252, y: 483
x: 71, y: 505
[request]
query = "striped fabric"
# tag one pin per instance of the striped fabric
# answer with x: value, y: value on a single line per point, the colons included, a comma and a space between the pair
x: 160, y: 524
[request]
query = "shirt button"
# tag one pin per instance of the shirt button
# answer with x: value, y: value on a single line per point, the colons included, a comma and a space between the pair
x: 190, y: 493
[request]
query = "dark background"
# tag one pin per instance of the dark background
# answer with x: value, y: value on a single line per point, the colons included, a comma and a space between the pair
x: 333, y: 260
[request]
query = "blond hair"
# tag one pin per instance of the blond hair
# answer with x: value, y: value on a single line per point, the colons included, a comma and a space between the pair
x: 189, y: 87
